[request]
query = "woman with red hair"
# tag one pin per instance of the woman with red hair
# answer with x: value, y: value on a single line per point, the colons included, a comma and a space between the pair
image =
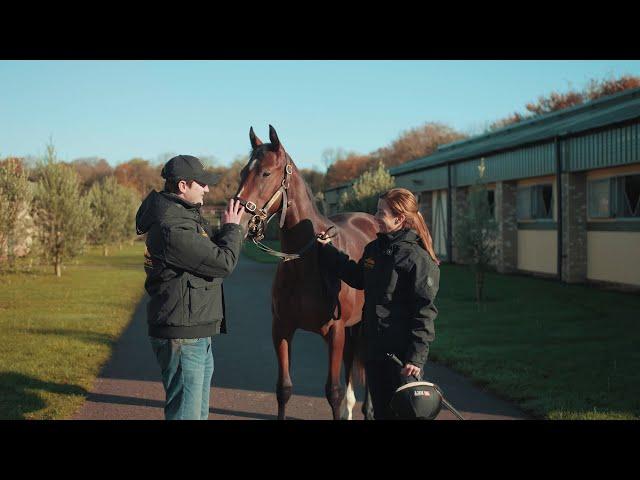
x: 400, y: 276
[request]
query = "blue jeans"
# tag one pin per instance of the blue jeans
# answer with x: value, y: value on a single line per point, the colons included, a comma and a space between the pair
x: 187, y: 368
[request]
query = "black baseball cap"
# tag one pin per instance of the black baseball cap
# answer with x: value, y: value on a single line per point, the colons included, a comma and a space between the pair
x: 188, y: 167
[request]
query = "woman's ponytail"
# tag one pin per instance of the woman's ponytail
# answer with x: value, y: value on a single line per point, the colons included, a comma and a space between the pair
x: 402, y: 201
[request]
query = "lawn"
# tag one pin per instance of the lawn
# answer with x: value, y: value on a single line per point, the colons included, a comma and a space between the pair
x: 58, y: 332
x: 558, y: 351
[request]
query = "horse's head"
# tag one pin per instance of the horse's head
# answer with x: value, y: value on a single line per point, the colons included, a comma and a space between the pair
x: 264, y: 182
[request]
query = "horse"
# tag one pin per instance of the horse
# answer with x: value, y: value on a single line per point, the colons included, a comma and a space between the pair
x: 303, y: 296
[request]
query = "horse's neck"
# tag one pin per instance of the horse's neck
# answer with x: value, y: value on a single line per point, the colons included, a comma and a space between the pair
x: 302, y: 206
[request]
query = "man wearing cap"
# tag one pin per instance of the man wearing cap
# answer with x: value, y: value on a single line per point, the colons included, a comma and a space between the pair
x: 185, y: 264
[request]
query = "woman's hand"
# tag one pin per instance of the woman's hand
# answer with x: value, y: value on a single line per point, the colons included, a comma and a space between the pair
x: 323, y: 239
x: 410, y: 369
x: 233, y: 213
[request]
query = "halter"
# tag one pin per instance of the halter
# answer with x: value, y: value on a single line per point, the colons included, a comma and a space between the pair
x: 257, y: 224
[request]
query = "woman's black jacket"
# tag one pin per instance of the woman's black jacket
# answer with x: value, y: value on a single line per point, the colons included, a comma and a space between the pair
x: 400, y: 282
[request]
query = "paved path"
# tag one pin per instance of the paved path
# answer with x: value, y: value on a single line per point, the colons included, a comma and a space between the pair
x: 129, y: 386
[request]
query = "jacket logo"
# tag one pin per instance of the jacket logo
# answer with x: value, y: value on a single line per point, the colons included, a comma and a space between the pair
x: 429, y: 282
x: 369, y: 262
x: 203, y: 232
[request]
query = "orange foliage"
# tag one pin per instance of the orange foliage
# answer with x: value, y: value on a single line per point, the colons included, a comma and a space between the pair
x: 417, y: 143
x: 609, y: 87
x: 347, y: 169
x: 555, y: 101
x: 410, y: 145
x: 140, y: 176
x: 91, y: 170
x: 19, y: 163
x: 558, y: 101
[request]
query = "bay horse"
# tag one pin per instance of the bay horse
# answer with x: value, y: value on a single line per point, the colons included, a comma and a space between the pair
x: 302, y: 295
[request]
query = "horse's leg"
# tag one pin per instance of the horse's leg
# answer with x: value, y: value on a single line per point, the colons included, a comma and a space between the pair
x: 333, y: 389
x: 367, y: 406
x: 346, y: 407
x: 282, y: 343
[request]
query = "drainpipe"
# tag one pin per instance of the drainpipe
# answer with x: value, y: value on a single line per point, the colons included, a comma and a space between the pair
x: 558, y: 155
x: 449, y: 214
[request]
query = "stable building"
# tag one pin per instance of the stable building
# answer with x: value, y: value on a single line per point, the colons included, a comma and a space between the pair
x: 564, y: 188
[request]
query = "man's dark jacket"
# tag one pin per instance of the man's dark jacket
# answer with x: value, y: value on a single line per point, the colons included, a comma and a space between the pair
x: 400, y: 282
x: 185, y: 265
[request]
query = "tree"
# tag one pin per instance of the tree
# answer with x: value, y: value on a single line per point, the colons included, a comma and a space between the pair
x: 555, y: 101
x: 475, y: 234
x: 417, y: 143
x: 130, y: 204
x: 91, y: 170
x: 139, y: 175
x: 346, y: 169
x: 597, y: 89
x: 227, y: 185
x: 113, y: 207
x: 332, y: 155
x: 314, y: 179
x: 62, y: 214
x: 15, y: 196
x: 365, y: 191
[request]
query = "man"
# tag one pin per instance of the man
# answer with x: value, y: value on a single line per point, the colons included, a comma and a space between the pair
x: 185, y: 264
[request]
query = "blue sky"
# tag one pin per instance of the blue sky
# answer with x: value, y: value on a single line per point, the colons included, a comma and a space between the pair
x: 123, y: 109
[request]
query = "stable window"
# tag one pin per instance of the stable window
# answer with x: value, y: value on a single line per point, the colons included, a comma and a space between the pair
x: 491, y: 200
x: 629, y: 188
x: 523, y: 207
x: 616, y: 197
x: 600, y: 198
x: 535, y: 202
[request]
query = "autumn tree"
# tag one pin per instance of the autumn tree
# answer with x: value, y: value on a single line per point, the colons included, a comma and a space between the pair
x: 228, y: 183
x: 91, y: 170
x: 346, y: 169
x: 556, y: 101
x: 314, y: 179
x: 139, y: 175
x: 417, y: 143
x: 597, y: 89
x: 61, y: 213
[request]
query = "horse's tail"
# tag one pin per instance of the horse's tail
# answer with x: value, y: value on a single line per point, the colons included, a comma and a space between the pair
x: 356, y: 337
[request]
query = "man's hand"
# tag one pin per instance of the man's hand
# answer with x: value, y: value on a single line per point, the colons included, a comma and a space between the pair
x: 233, y: 213
x: 410, y: 369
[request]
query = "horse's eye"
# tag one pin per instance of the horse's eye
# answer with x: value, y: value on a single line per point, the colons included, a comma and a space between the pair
x: 266, y: 174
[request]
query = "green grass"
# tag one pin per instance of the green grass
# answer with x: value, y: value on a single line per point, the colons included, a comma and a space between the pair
x: 58, y: 332
x: 559, y: 351
x: 254, y: 253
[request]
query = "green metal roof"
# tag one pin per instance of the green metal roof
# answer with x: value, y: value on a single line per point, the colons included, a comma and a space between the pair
x: 605, y: 111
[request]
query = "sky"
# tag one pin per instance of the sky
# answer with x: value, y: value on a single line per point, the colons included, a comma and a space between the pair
x: 120, y: 110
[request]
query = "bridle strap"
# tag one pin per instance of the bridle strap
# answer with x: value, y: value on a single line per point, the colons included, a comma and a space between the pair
x: 261, y: 216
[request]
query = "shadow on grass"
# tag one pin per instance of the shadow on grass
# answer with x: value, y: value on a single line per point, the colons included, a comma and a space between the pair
x: 20, y: 394
x: 88, y: 337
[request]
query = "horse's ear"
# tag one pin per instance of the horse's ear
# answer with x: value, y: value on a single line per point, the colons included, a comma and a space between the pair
x: 275, y: 141
x: 255, y: 141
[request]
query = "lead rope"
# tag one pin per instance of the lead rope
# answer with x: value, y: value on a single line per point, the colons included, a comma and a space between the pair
x: 292, y: 256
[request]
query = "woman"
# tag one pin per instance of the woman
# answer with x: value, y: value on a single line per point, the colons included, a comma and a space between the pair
x: 400, y: 276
